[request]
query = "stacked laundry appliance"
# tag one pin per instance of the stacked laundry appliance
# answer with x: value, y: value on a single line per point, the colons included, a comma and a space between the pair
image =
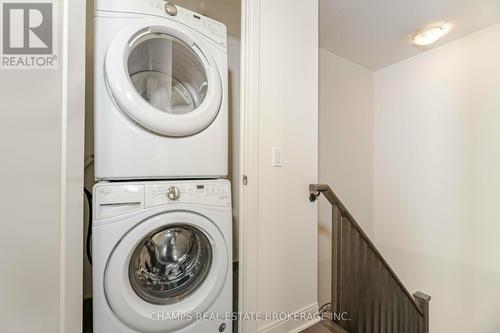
x: 161, y: 234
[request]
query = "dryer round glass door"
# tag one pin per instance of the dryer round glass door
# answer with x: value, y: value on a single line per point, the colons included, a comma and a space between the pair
x: 172, y: 263
x: 166, y: 72
x: 163, y: 77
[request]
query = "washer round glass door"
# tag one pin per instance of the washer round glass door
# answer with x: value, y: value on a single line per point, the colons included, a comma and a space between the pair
x: 168, y: 264
x: 163, y: 78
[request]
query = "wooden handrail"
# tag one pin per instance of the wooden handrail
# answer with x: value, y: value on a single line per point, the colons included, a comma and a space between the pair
x: 343, y: 223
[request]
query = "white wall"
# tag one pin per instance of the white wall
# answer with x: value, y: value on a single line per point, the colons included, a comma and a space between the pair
x: 288, y: 118
x: 345, y: 150
x: 41, y: 141
x: 437, y: 185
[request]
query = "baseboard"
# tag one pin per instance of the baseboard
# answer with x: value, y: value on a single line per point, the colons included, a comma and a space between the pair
x: 304, y: 326
x: 289, y: 326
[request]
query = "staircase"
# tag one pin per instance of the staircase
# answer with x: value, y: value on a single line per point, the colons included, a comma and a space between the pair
x: 367, y: 296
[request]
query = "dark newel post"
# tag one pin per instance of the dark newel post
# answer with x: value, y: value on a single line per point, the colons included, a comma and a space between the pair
x: 423, y: 302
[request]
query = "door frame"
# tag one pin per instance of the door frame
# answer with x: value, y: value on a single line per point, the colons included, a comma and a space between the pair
x: 72, y: 152
x: 249, y: 162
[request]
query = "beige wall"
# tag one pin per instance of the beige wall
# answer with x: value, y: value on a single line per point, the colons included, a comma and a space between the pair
x: 41, y: 141
x: 288, y: 118
x: 423, y: 136
x: 31, y: 198
x: 345, y: 150
x: 437, y: 183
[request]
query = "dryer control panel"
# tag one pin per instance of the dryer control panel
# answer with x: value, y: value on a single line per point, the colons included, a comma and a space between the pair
x: 211, y: 28
x: 204, y: 24
x: 113, y: 199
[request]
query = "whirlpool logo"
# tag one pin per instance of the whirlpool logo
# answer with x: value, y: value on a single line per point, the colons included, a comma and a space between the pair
x: 28, y: 38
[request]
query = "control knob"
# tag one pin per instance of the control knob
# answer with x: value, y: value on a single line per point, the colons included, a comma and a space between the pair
x: 171, y: 9
x: 173, y: 193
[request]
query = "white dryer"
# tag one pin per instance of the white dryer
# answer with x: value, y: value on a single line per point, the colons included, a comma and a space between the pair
x: 162, y: 257
x: 160, y: 92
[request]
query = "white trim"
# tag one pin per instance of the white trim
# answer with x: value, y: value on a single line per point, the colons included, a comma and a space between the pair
x: 72, y: 137
x: 304, y: 326
x: 284, y: 325
x: 249, y: 158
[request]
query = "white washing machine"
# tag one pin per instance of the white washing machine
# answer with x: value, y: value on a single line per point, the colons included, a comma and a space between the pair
x: 162, y: 257
x: 160, y: 92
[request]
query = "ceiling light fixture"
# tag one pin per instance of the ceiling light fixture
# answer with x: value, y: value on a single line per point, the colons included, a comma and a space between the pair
x: 431, y: 35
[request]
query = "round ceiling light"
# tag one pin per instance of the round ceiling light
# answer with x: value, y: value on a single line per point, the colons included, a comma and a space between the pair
x: 431, y: 35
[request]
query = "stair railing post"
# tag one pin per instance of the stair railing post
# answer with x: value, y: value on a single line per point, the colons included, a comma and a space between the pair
x: 336, y: 261
x: 423, y: 301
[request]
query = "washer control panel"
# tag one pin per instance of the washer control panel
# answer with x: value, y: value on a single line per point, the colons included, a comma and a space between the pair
x: 114, y: 199
x: 214, y: 193
x: 173, y: 193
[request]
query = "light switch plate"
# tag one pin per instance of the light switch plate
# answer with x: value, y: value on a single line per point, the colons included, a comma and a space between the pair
x: 277, y: 157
